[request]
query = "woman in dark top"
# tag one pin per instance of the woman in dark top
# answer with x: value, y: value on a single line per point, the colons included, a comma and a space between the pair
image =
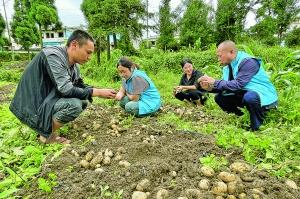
x: 189, y: 89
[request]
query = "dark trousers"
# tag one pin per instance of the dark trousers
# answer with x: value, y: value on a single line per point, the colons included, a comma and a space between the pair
x: 250, y: 99
x: 191, y: 96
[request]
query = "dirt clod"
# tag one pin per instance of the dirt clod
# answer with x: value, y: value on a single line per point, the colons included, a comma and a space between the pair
x: 193, y: 193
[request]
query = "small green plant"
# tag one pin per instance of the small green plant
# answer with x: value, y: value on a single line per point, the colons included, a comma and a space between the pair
x: 179, y: 123
x: 107, y: 193
x: 46, y: 185
x: 213, y: 161
x: 127, y: 121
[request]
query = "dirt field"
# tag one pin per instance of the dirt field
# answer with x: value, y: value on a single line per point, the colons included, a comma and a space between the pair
x: 130, y: 154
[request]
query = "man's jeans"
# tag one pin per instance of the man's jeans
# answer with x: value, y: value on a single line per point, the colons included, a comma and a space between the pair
x: 67, y: 109
x: 250, y: 99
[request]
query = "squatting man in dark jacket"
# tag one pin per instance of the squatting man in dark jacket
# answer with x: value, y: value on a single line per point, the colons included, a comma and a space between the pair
x: 51, y: 92
x: 244, y: 84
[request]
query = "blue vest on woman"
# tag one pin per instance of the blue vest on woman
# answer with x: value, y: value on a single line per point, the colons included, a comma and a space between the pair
x: 260, y: 82
x: 149, y: 101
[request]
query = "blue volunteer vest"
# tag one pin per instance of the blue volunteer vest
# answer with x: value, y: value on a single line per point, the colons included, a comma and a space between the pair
x: 260, y: 82
x: 149, y: 101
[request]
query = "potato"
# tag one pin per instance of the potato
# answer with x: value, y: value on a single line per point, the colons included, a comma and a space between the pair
x: 99, y: 170
x: 231, y: 197
x: 291, y: 184
x: 114, y: 127
x: 204, y: 184
x: 96, y: 160
x: 207, y: 171
x: 143, y: 185
x: 85, y: 164
x: 240, y: 167
x: 219, y: 188
x: 231, y: 187
x: 89, y: 156
x: 139, y: 195
x: 162, y: 194
x: 106, y: 160
x: 124, y: 163
x: 118, y: 157
x: 242, y: 196
x: 226, y: 177
x: 108, y: 153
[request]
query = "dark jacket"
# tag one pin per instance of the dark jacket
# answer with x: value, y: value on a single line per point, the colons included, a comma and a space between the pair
x: 184, y: 81
x: 42, y: 84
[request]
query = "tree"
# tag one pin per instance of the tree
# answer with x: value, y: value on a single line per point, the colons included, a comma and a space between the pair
x: 230, y: 18
x: 166, y: 39
x: 44, y: 14
x: 2, y: 28
x: 280, y: 13
x: 293, y: 38
x: 265, y: 31
x: 195, y: 24
x: 109, y: 16
x: 23, y: 27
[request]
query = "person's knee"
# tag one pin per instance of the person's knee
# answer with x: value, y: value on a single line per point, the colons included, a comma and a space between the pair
x: 251, y: 98
x: 180, y: 96
x: 218, y: 98
x: 75, y: 106
x: 124, y: 101
x: 132, y: 108
x: 194, y: 95
x: 69, y: 111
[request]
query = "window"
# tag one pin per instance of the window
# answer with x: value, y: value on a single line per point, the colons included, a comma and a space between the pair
x: 60, y: 34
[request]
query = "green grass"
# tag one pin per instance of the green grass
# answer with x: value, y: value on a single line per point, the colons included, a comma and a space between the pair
x: 21, y: 155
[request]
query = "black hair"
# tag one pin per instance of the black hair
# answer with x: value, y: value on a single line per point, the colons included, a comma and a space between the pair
x: 127, y: 63
x: 185, y: 61
x: 80, y: 36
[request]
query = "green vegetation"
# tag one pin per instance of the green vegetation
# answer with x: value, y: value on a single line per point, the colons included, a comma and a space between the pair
x: 21, y: 154
x: 214, y: 162
x: 107, y: 193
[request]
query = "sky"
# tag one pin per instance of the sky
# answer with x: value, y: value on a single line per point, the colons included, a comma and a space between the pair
x: 70, y: 14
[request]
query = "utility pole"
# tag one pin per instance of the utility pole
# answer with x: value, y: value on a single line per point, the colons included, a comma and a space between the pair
x: 147, y: 6
x: 7, y: 26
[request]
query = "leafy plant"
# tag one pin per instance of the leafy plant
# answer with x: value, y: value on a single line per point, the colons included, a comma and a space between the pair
x: 47, y: 184
x: 107, y: 193
x: 213, y: 161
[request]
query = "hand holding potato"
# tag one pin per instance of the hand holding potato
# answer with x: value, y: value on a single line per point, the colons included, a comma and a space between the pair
x: 206, y: 82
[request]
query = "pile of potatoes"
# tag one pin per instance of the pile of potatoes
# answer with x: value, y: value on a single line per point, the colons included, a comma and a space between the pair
x: 93, y: 160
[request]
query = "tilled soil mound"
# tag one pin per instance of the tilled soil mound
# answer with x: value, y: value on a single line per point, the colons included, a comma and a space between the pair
x: 148, y: 159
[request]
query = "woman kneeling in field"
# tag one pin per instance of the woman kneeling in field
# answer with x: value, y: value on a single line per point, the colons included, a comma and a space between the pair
x: 138, y: 95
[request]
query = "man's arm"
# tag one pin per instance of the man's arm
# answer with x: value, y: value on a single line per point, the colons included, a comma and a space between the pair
x: 247, y: 70
x: 62, y: 80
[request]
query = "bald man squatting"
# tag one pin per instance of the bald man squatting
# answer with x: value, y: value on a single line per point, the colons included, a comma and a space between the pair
x: 244, y: 84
